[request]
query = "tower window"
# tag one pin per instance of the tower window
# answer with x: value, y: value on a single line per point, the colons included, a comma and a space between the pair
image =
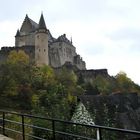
x: 44, y: 50
x: 39, y: 50
x: 38, y: 36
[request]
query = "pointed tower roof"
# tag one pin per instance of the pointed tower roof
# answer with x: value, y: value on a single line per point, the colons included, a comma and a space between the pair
x: 26, y: 16
x: 42, y: 24
x: 18, y: 33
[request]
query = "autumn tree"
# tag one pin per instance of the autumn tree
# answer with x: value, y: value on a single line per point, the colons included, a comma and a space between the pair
x: 15, y: 79
x: 125, y: 84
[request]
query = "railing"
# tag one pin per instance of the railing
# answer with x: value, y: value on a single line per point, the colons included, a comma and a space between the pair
x: 56, y: 129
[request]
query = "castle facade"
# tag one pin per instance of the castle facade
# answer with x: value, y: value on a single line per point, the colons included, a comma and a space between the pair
x: 36, y: 40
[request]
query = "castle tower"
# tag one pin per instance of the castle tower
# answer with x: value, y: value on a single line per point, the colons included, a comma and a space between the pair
x: 26, y: 35
x: 41, y: 44
x: 17, y: 38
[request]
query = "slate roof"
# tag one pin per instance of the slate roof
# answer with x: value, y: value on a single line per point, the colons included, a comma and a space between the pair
x: 33, y: 23
x: 51, y: 38
x: 63, y: 38
x: 42, y: 24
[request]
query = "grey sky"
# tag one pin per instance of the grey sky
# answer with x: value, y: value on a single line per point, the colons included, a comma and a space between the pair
x: 105, y: 32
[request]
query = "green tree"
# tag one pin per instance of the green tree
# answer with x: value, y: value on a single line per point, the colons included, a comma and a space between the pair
x: 103, y: 84
x: 91, y: 89
x: 15, y: 78
x: 124, y: 83
x: 18, y: 57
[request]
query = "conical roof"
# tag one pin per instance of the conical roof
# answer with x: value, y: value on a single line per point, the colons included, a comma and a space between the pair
x: 18, y: 33
x: 42, y: 24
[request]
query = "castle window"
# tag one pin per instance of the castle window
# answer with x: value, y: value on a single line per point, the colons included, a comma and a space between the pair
x: 44, y: 50
x: 39, y: 50
x: 38, y: 36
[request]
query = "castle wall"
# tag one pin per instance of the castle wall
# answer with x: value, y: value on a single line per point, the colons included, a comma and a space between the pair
x: 79, y: 62
x: 3, y: 56
x: 61, y: 52
x: 25, y: 40
x: 90, y: 75
x: 29, y: 50
x: 41, y: 48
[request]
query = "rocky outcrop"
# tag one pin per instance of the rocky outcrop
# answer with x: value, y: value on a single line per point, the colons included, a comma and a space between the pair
x: 121, y: 110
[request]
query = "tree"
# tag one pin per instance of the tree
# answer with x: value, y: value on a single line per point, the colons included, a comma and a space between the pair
x: 102, y: 84
x: 42, y: 77
x: 15, y: 78
x: 91, y: 89
x: 18, y: 57
x: 124, y: 83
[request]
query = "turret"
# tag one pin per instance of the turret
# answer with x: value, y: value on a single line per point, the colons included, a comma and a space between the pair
x: 17, y: 36
x: 41, y: 43
x: 42, y: 24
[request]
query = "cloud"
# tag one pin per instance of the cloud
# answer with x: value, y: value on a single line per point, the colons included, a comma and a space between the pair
x: 8, y: 31
x: 105, y: 32
x: 126, y: 34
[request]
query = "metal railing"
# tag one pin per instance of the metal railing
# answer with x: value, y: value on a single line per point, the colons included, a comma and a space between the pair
x: 55, y: 129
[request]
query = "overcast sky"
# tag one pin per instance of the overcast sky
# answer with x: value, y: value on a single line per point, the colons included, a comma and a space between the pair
x: 106, y: 33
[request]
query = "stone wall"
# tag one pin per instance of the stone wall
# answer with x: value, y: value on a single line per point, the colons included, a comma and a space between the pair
x: 61, y: 52
x: 24, y: 40
x: 79, y: 62
x: 90, y: 75
x: 121, y: 110
x: 29, y: 50
x: 41, y: 48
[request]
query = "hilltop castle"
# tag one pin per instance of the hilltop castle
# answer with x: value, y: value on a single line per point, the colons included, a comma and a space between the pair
x: 43, y: 49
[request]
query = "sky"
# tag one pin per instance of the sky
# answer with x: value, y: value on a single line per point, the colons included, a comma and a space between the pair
x: 106, y: 33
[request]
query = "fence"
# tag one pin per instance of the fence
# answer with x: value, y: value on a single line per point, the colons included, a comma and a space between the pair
x: 29, y: 128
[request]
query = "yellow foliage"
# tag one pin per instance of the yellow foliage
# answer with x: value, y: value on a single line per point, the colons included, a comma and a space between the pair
x: 18, y: 57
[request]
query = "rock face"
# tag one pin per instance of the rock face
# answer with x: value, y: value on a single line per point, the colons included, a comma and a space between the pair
x: 128, y: 109
x: 121, y: 110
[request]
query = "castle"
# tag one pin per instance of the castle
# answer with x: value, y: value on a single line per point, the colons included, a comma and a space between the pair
x: 43, y: 49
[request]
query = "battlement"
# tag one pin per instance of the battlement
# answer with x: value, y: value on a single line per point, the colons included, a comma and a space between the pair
x: 95, y: 72
x: 7, y: 48
x: 90, y: 75
x: 29, y: 50
x: 24, y: 48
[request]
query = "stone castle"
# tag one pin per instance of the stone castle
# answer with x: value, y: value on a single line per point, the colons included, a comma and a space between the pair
x: 36, y: 40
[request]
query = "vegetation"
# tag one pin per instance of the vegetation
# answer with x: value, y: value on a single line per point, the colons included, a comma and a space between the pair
x: 42, y: 90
